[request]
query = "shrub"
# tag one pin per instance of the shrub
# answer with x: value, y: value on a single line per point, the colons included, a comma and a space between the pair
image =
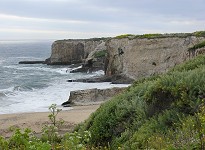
x: 199, y: 33
x: 75, y: 141
x: 26, y: 140
x: 50, y: 131
x: 160, y: 112
x: 197, y: 46
x: 4, y: 145
x: 100, y: 54
x: 158, y: 35
x: 149, y: 36
x: 190, y: 64
x: 124, y: 36
x: 150, y: 108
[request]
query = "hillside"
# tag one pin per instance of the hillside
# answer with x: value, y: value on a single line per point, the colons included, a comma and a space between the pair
x: 160, y: 112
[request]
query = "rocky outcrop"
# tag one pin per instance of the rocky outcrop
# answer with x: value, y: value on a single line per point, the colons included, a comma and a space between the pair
x: 114, y: 79
x: 31, y: 62
x: 66, y: 52
x: 97, y: 56
x: 126, y: 56
x: 92, y: 96
x: 144, y: 57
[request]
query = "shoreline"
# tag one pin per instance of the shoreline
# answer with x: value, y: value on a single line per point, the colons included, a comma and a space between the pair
x: 36, y: 120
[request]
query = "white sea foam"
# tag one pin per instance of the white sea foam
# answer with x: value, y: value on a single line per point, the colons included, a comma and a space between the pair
x: 34, y: 87
x: 40, y: 100
x: 63, y: 70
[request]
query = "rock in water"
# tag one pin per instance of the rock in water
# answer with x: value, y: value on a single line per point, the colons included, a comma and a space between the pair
x: 31, y: 62
x: 92, y: 96
x: 67, y: 52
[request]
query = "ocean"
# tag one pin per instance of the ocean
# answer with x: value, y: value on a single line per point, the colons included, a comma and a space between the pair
x: 34, y: 87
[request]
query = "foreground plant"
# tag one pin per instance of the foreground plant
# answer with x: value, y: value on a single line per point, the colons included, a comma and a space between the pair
x: 50, y: 131
x: 23, y: 140
x: 50, y: 139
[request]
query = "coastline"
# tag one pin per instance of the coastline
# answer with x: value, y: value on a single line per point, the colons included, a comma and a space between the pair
x: 37, y: 120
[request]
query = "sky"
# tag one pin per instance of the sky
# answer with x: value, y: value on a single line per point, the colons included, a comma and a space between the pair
x: 74, y: 19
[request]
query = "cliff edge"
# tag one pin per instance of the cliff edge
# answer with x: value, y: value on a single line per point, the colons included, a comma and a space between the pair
x: 67, y: 52
x: 133, y: 56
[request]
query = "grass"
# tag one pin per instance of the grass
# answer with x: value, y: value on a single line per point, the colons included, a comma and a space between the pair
x: 124, y: 36
x: 158, y: 35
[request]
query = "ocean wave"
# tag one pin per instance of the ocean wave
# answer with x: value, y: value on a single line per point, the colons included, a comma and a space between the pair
x: 2, y: 94
x: 62, y: 70
x: 98, y: 73
x: 39, y: 68
x: 38, y: 100
x: 44, y: 69
x: 12, y: 91
x: 22, y: 88
x: 6, y: 92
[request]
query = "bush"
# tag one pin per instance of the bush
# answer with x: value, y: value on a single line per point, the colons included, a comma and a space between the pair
x: 149, y: 36
x: 160, y: 112
x: 26, y: 140
x: 190, y: 64
x: 124, y: 36
x: 197, y: 46
x: 199, y: 33
x: 100, y: 54
x: 158, y: 35
x: 144, y: 116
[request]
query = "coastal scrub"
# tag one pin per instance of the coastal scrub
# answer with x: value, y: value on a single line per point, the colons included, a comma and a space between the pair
x: 154, y: 113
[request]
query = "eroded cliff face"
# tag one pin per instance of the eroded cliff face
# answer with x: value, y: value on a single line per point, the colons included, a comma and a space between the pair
x: 145, y: 57
x: 133, y: 58
x: 93, y: 96
x: 66, y: 52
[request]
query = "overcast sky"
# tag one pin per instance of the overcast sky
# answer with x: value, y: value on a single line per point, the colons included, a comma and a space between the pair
x: 63, y: 19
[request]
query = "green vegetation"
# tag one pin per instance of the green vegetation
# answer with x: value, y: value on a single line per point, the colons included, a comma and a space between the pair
x: 91, y: 39
x: 100, y: 54
x: 157, y: 35
x: 161, y: 112
x: 124, y: 36
x: 131, y: 36
x: 149, y: 36
x: 199, y: 45
x: 199, y: 33
x: 50, y: 139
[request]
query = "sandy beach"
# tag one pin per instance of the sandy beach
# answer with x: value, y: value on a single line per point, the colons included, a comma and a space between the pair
x: 35, y: 121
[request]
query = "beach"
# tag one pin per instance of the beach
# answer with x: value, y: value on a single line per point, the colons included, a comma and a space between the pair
x: 37, y: 120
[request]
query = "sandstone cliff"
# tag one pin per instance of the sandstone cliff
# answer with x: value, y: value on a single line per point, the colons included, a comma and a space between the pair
x: 145, y: 57
x: 66, y: 52
x: 131, y: 56
x: 92, y: 96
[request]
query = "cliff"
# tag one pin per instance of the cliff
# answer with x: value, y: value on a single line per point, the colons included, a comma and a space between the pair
x: 143, y: 57
x: 134, y: 56
x: 92, y: 96
x: 66, y: 52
